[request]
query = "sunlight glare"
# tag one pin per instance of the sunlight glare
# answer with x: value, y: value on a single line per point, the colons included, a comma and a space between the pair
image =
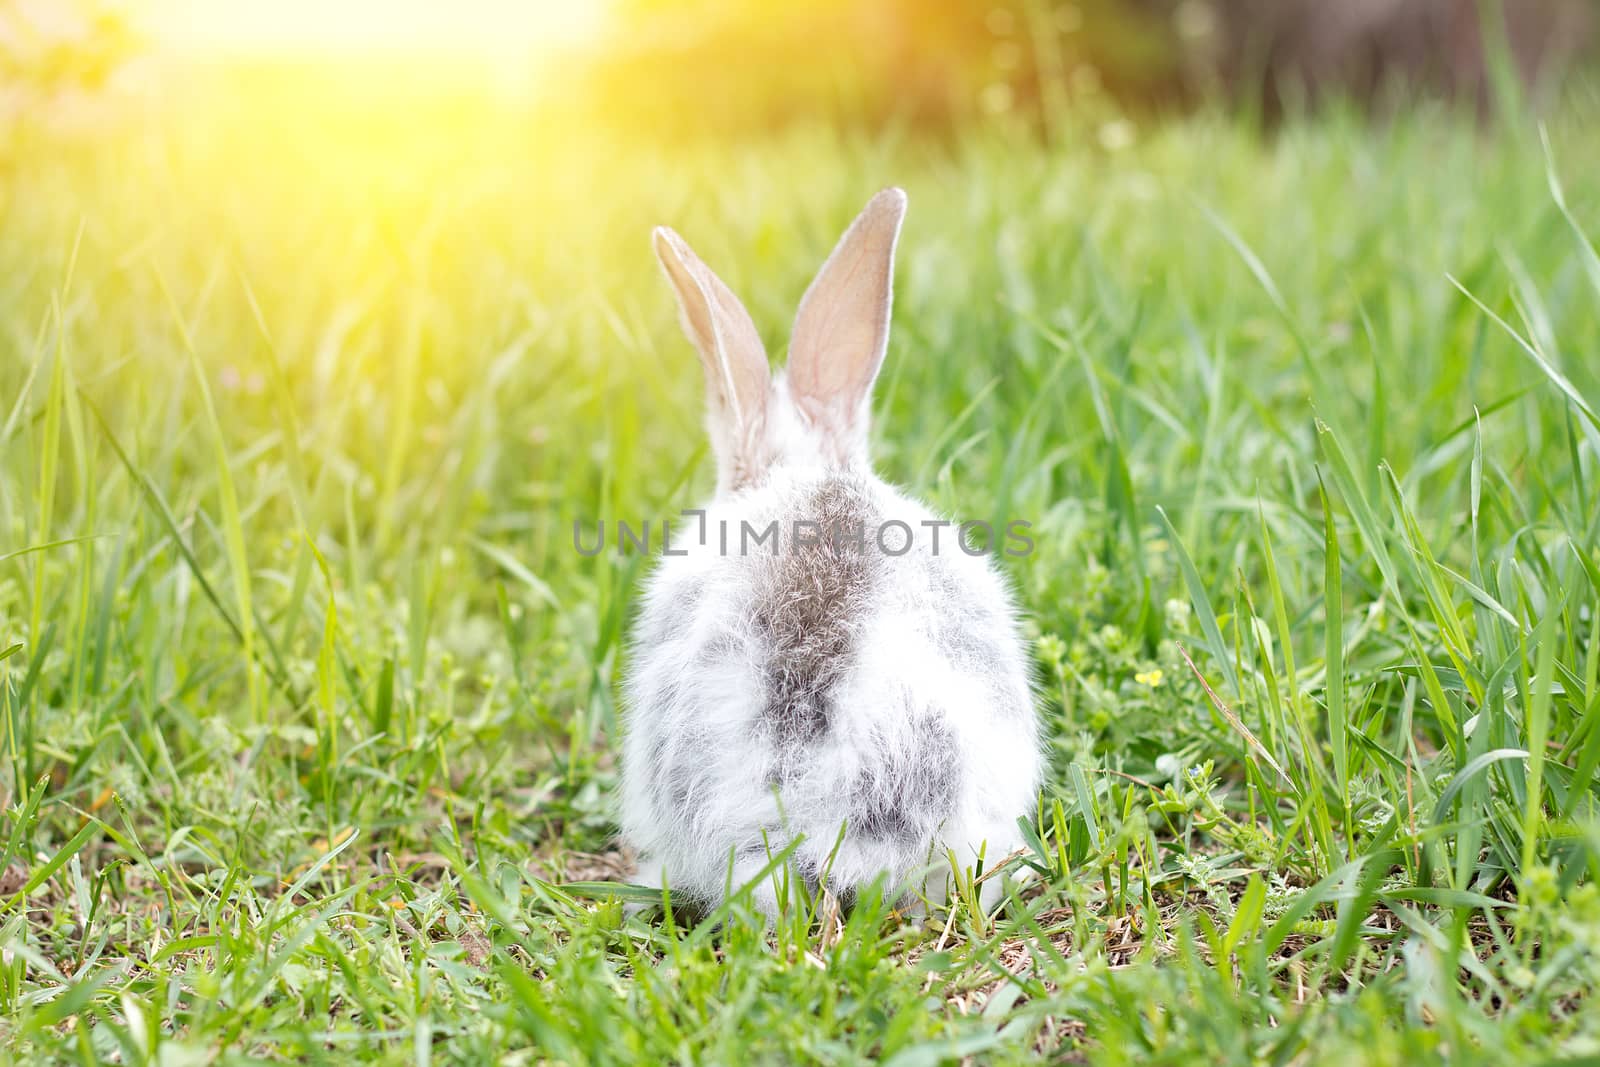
x: 221, y: 28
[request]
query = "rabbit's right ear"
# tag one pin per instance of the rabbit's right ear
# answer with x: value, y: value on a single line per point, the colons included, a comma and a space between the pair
x: 738, y: 381
x: 842, y: 329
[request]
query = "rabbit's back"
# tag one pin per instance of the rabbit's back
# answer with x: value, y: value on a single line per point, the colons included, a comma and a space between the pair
x: 853, y: 673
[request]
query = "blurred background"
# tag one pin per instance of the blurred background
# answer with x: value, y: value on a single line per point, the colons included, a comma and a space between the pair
x: 669, y: 67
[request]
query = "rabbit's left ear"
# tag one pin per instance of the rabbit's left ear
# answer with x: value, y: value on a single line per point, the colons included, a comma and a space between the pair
x: 737, y: 379
x: 842, y: 329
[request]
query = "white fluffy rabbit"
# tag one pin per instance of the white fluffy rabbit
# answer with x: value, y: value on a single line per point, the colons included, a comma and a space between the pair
x: 827, y: 684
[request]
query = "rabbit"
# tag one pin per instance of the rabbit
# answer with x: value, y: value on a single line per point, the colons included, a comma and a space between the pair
x: 867, y: 705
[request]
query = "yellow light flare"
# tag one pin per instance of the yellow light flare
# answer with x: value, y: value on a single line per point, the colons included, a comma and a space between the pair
x: 458, y: 28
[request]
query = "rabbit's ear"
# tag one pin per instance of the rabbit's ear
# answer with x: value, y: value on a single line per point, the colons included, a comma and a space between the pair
x: 737, y: 377
x: 842, y: 328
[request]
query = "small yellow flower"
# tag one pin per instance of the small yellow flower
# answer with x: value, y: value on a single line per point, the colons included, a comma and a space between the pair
x: 1150, y: 678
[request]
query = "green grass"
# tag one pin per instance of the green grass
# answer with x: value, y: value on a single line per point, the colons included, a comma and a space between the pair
x: 309, y: 705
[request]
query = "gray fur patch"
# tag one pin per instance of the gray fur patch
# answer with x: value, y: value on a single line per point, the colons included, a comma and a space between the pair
x: 650, y: 726
x: 676, y: 778
x: 909, y: 800
x: 806, y: 612
x: 977, y: 639
x: 718, y: 650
